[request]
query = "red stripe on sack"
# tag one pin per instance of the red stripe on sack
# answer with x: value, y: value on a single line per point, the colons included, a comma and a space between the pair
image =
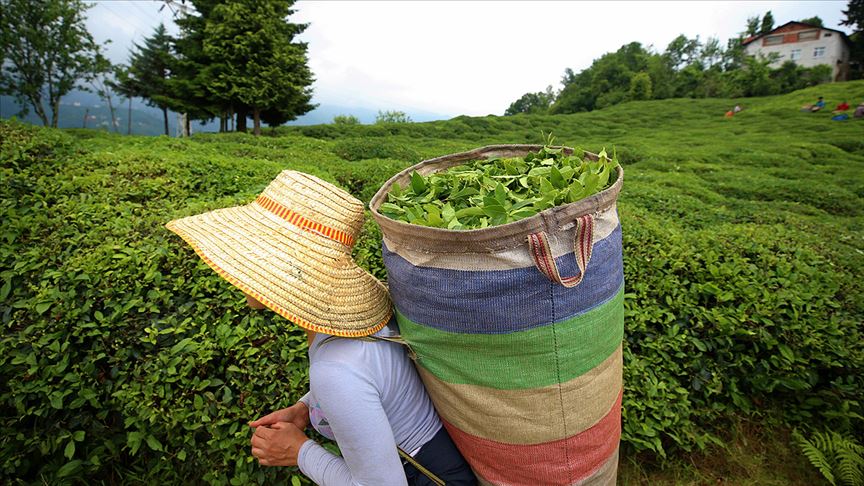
x: 581, y: 236
x: 532, y: 245
x: 297, y: 220
x: 544, y: 258
x: 560, y: 462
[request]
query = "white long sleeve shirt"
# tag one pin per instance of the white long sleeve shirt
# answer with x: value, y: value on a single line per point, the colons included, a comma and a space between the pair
x: 368, y: 397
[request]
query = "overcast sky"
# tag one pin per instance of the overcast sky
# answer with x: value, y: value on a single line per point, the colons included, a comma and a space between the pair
x: 471, y: 58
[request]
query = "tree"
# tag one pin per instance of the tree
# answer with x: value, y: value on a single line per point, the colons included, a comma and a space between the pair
x: 47, y: 52
x: 392, y: 117
x: 538, y: 102
x: 346, y: 120
x: 815, y: 20
x: 640, y: 87
x: 149, y: 72
x: 752, y: 26
x: 103, y: 83
x: 767, y: 23
x: 855, y: 19
x: 854, y: 15
x: 262, y: 67
x: 682, y: 51
x: 575, y: 96
x: 193, y: 71
x: 754, y: 77
x: 711, y: 52
x: 121, y: 73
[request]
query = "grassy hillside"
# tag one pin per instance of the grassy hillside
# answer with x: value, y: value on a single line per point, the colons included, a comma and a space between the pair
x: 124, y: 359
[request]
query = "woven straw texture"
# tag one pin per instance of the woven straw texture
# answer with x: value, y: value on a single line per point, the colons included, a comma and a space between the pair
x: 525, y: 372
x: 291, y: 250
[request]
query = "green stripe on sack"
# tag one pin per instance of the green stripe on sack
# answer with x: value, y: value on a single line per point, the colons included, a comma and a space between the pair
x: 520, y: 360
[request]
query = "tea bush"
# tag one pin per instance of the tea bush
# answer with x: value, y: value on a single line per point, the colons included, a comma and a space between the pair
x: 126, y: 360
x: 374, y: 148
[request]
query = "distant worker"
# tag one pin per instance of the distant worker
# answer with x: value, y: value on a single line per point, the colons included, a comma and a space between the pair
x: 729, y: 114
x: 859, y: 111
x: 841, y: 107
x: 737, y: 108
x: 820, y: 103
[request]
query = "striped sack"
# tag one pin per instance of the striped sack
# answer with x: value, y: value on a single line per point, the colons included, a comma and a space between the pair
x: 517, y: 330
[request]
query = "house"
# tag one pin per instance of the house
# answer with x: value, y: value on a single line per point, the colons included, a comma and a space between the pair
x: 806, y: 44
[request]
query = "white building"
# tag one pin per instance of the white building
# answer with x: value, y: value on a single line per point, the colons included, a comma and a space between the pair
x: 808, y: 45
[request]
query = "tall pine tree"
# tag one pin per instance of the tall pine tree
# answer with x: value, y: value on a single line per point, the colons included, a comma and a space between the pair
x: 190, y: 78
x: 260, y: 66
x: 149, y: 72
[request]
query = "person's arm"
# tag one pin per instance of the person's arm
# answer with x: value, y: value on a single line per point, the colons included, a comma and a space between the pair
x: 353, y: 408
x: 297, y: 414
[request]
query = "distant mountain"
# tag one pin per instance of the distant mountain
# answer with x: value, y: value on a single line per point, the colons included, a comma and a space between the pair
x: 147, y: 120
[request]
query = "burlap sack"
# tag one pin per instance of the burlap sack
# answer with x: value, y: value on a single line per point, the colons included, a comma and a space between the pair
x: 517, y: 331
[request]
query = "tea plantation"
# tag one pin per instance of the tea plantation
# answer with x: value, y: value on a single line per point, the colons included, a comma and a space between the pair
x: 123, y: 359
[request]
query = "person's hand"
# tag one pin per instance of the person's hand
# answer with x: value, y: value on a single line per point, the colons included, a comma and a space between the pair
x: 297, y: 414
x: 278, y: 445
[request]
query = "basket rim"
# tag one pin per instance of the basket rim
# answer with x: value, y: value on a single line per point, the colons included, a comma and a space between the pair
x: 493, y: 238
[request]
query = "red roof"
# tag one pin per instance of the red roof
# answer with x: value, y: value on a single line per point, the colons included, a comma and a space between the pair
x: 785, y: 27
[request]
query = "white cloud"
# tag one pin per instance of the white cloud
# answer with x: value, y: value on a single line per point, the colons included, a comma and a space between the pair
x: 467, y: 57
x: 477, y: 57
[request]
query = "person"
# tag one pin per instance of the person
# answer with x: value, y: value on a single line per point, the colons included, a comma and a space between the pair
x: 841, y: 107
x: 820, y: 103
x: 290, y: 251
x: 859, y: 111
x: 737, y: 109
x: 729, y: 114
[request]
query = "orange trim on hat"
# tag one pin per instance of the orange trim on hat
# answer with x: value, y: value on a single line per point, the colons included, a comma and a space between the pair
x: 303, y: 223
x: 269, y: 303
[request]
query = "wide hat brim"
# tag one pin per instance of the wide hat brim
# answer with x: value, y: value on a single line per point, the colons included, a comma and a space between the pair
x: 303, y: 276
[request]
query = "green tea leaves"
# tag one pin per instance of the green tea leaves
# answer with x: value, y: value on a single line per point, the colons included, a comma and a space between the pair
x: 418, y: 184
x: 497, y: 191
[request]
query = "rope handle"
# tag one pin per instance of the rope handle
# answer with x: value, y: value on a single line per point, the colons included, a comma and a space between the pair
x: 397, y: 339
x: 541, y: 253
x: 429, y: 474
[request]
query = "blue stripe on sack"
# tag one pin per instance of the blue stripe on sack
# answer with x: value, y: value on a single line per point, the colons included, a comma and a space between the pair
x: 502, y: 301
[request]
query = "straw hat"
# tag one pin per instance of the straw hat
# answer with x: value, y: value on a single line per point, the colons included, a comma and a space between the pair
x: 291, y: 250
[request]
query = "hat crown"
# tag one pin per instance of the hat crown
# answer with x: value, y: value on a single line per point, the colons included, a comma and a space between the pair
x: 318, y: 201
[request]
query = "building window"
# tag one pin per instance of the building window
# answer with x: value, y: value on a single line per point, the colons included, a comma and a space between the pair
x: 773, y: 40
x: 808, y: 35
x: 828, y: 34
x: 818, y: 52
x: 795, y: 54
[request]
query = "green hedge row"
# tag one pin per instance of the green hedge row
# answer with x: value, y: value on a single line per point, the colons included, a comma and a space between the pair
x: 124, y: 359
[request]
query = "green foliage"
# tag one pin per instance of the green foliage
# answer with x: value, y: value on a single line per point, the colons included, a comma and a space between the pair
x: 767, y: 23
x: 374, y: 148
x: 147, y: 75
x: 346, y: 120
x: 640, y: 87
x: 260, y: 64
x: 46, y: 50
x: 815, y: 20
x: 839, y: 458
x: 392, y: 117
x: 532, y: 102
x: 688, y: 68
x: 854, y: 14
x: 126, y: 354
x: 744, y: 271
x: 497, y: 191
